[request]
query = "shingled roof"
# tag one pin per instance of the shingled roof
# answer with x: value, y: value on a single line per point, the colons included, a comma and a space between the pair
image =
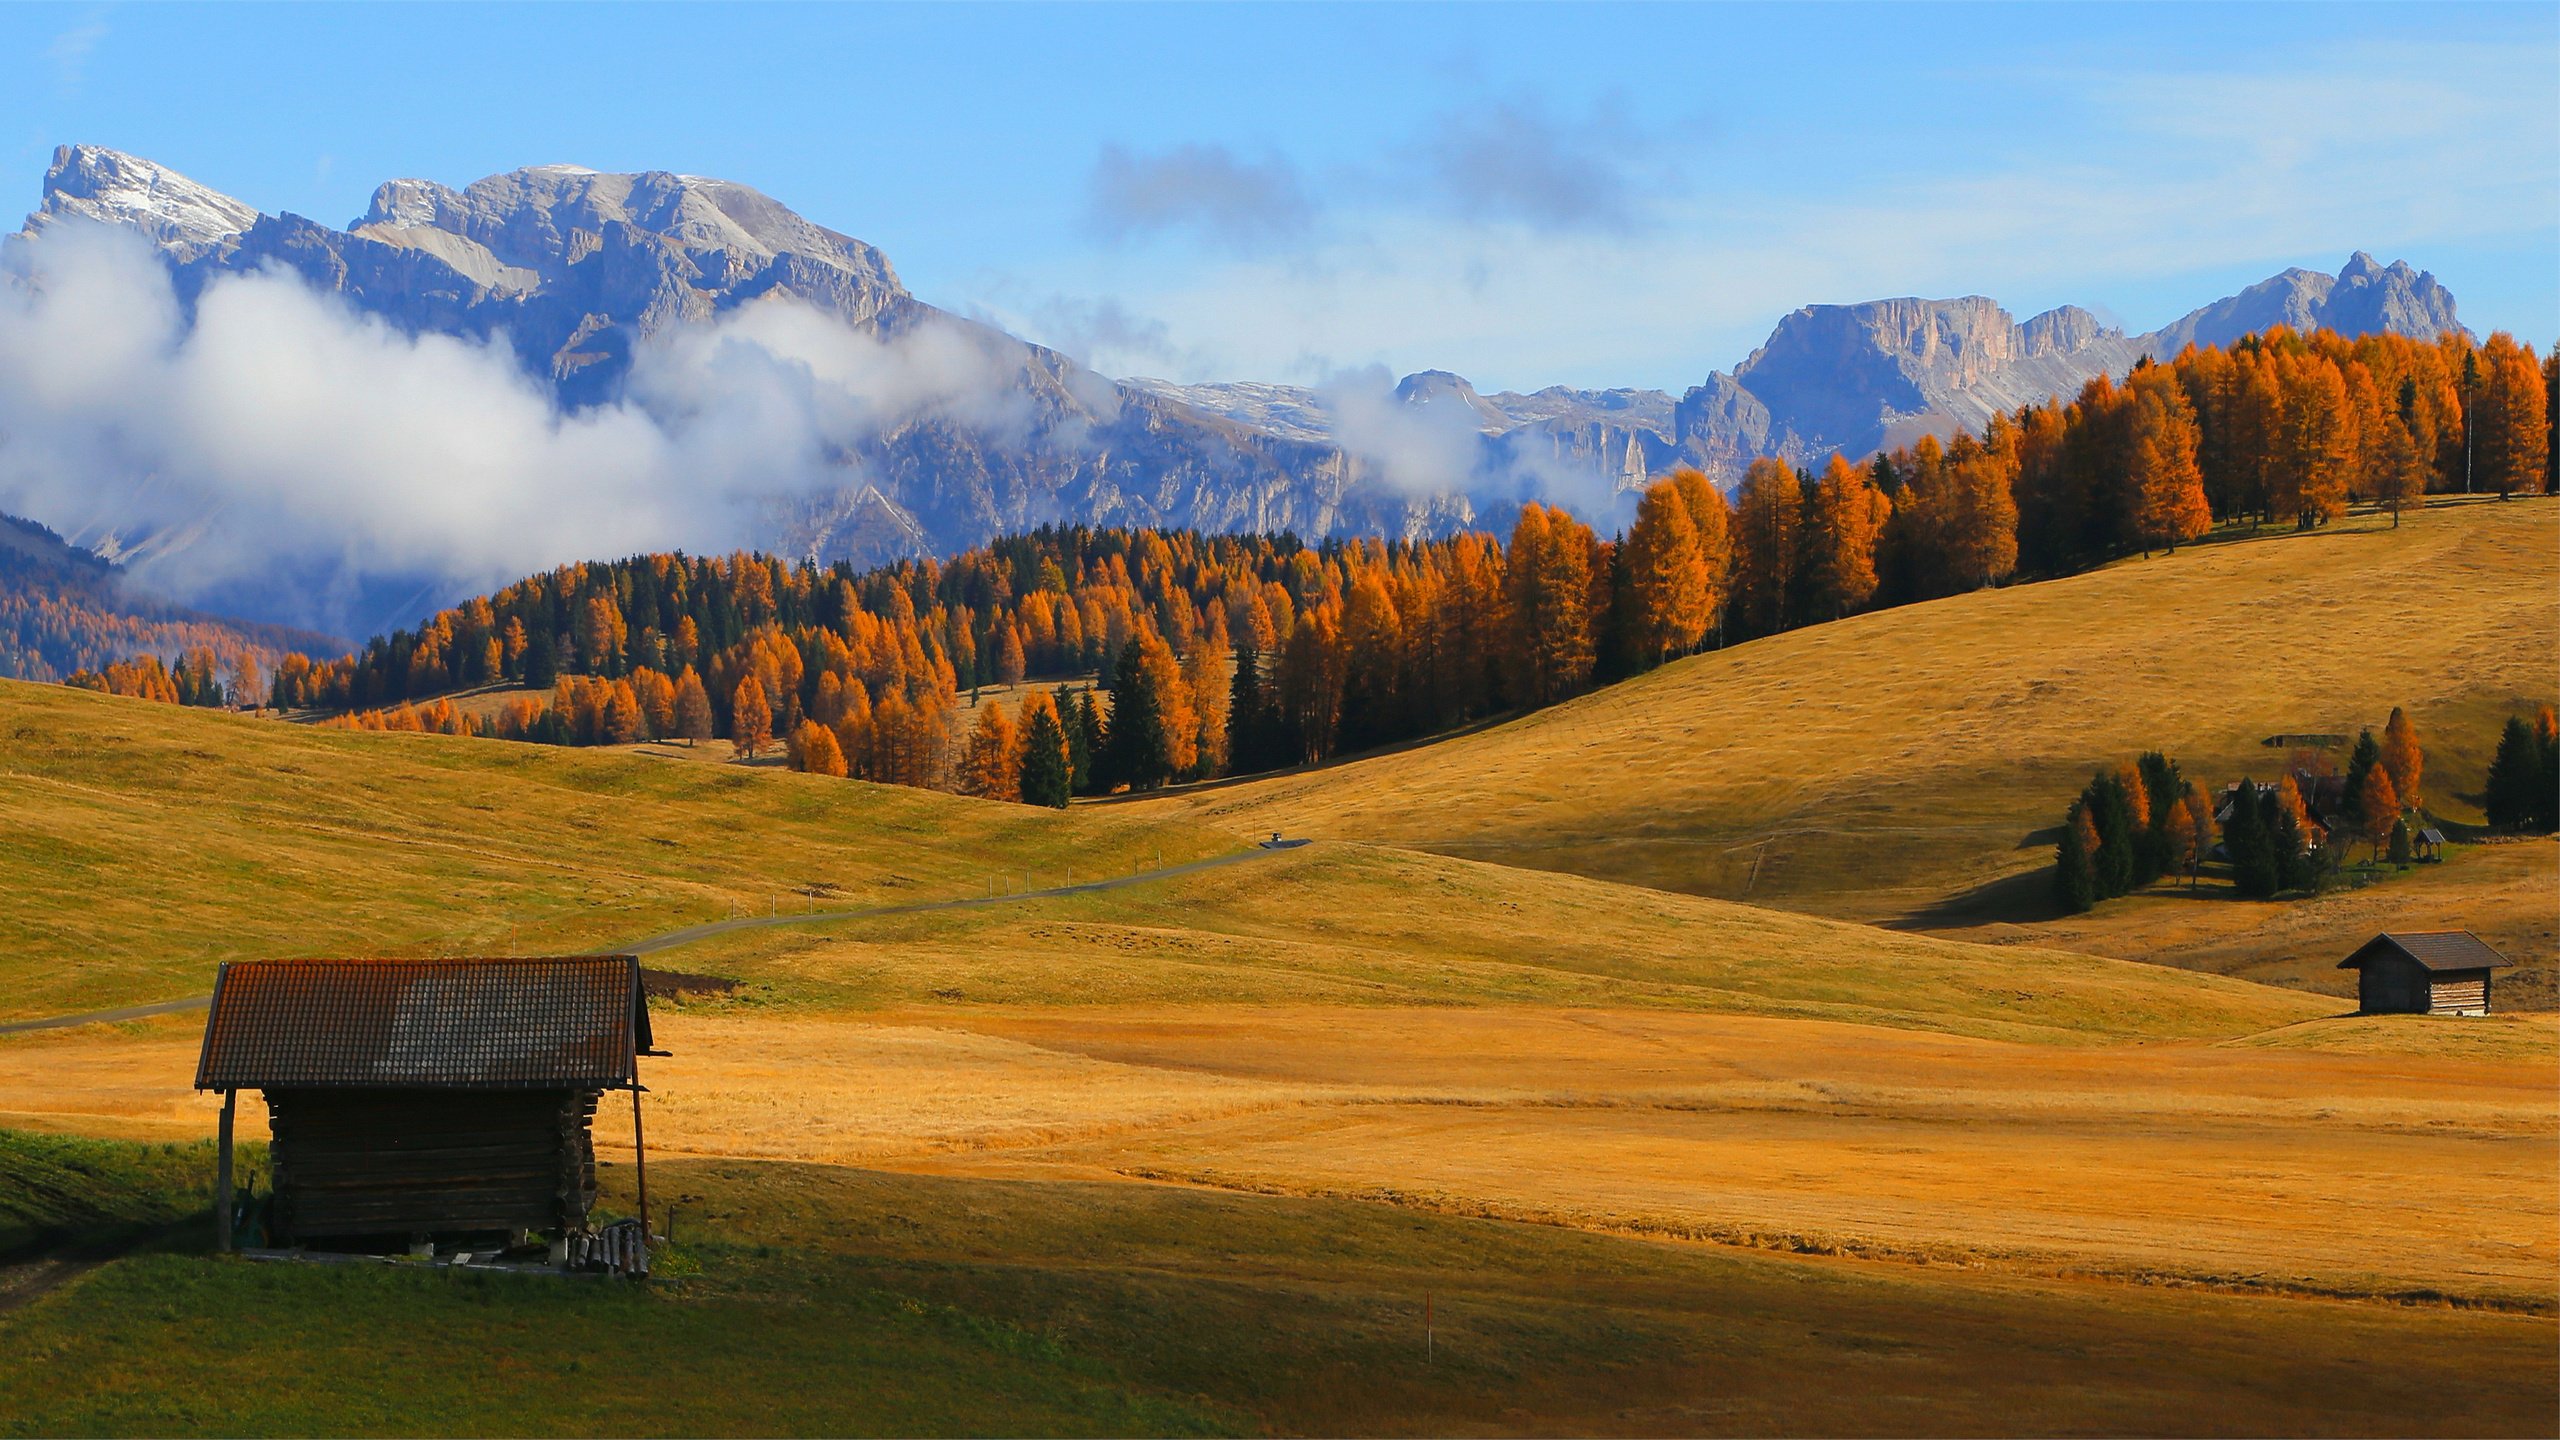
x: 2434, y: 949
x: 568, y: 1022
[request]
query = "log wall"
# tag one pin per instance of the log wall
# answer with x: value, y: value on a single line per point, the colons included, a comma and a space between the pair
x: 402, y: 1163
x: 2456, y: 990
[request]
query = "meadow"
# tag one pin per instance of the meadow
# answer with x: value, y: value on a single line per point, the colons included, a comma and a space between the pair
x: 1201, y: 1154
x: 144, y: 844
x: 819, y: 1299
x: 1911, y: 765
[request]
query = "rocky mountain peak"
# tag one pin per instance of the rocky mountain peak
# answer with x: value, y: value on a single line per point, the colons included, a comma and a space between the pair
x: 91, y: 182
x: 1441, y: 390
x: 544, y: 218
x: 2362, y: 297
x: 2064, y: 330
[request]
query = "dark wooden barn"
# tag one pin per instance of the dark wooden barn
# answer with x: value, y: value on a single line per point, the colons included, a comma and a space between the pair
x: 413, y: 1099
x: 2430, y: 972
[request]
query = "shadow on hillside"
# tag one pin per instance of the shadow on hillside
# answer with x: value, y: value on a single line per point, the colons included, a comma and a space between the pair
x: 2021, y: 899
x: 2027, y: 898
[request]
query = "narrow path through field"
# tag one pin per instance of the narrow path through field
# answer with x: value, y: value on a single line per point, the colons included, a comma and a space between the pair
x: 691, y: 933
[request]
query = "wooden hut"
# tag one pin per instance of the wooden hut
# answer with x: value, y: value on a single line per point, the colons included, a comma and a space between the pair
x: 412, y: 1099
x: 2432, y: 972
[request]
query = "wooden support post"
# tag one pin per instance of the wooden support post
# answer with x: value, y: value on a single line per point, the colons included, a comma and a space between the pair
x: 222, y: 1175
x: 639, y: 1158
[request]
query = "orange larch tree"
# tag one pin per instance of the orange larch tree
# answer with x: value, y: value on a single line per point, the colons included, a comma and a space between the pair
x: 1849, y: 515
x: 2405, y: 758
x: 2167, y: 484
x: 814, y: 749
x: 1666, y: 575
x: 991, y: 765
x: 750, y: 718
x: 1768, y: 546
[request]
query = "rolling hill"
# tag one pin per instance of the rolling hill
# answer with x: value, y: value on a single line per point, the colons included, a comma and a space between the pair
x: 1908, y: 765
x: 1190, y: 1154
x: 263, y: 838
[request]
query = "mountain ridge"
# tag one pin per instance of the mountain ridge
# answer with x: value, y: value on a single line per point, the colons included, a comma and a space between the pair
x: 579, y: 273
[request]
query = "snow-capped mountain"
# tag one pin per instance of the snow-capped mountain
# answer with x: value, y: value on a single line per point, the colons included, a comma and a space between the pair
x: 941, y: 431
x: 183, y: 218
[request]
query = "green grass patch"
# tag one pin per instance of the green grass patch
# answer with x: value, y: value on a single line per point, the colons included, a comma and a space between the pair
x: 830, y: 1301
x: 144, y: 844
x: 70, y: 1193
x: 181, y: 1345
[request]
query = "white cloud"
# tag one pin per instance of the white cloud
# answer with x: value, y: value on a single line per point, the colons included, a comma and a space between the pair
x: 69, y: 52
x: 281, y: 439
x: 1245, y: 205
x: 2141, y: 182
x: 1513, y: 161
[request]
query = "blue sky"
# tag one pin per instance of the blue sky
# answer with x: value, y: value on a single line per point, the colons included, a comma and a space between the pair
x: 1526, y: 195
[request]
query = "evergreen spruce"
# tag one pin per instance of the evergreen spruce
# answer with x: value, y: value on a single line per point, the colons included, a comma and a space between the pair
x: 2254, y: 869
x: 2400, y: 842
x: 2368, y: 753
x: 2515, y: 774
x: 1047, y: 777
x: 1083, y: 737
x: 1133, y: 745
x: 1248, y: 728
x: 541, y: 661
x: 2542, y: 811
x: 2111, y: 810
x: 2163, y: 785
x: 2075, y: 878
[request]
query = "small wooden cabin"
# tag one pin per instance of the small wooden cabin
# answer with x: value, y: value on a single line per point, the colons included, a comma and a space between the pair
x: 2431, y: 972
x: 411, y: 1099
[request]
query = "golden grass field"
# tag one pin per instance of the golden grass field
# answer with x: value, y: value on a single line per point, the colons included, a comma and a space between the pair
x: 142, y: 844
x: 1473, y: 1040
x: 1903, y: 764
x: 1672, y: 1164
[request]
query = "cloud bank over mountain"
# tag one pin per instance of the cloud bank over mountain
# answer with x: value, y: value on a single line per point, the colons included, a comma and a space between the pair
x: 279, y: 439
x: 334, y: 427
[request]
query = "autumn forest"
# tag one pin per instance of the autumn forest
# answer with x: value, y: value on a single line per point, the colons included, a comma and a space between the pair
x: 1233, y: 654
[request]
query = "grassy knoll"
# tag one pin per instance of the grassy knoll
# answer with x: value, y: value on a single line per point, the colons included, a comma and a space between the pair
x: 842, y: 1301
x: 142, y: 844
x: 66, y: 1192
x: 1879, y: 766
x: 2508, y: 893
x: 1355, y: 925
x: 181, y: 1345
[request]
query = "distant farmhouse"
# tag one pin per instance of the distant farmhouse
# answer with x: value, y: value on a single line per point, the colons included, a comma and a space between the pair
x: 413, y: 1100
x: 2432, y: 972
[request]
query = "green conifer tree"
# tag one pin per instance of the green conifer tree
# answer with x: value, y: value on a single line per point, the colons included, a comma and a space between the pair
x: 1084, y: 737
x: 2163, y: 784
x: 2255, y: 872
x: 1047, y: 776
x: 1248, y: 728
x: 2111, y: 810
x: 2075, y: 876
x: 1133, y: 745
